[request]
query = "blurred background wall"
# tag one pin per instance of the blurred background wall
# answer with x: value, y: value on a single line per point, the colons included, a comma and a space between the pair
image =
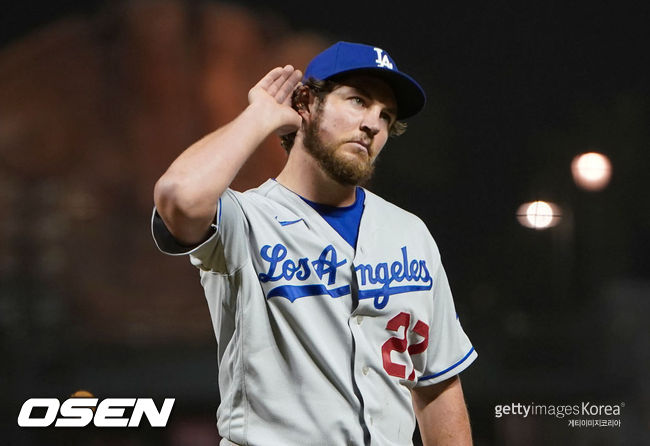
x: 97, y: 98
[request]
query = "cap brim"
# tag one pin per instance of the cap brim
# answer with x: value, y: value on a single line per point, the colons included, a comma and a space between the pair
x: 409, y: 95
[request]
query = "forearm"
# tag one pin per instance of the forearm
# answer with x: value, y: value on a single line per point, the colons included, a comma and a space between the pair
x: 442, y: 415
x: 186, y: 195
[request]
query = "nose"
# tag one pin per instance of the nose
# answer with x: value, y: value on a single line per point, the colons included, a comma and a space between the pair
x: 371, y: 131
x: 371, y: 123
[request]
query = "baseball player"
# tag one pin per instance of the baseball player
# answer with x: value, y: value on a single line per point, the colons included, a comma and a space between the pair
x: 333, y: 315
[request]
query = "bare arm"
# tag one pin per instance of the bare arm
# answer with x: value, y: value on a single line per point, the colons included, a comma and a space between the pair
x: 441, y: 414
x: 186, y: 195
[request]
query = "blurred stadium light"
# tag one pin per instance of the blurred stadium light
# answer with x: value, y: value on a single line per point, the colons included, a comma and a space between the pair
x: 539, y: 214
x: 591, y: 171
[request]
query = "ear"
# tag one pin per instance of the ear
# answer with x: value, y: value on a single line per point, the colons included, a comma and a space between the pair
x: 303, y: 101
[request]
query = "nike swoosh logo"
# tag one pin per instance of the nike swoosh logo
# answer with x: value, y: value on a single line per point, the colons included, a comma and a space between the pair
x: 287, y: 222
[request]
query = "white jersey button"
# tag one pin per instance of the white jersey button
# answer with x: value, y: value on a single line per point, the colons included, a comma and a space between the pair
x: 359, y: 320
x: 365, y: 370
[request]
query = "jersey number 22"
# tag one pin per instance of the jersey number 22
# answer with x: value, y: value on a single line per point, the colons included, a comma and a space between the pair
x: 401, y: 345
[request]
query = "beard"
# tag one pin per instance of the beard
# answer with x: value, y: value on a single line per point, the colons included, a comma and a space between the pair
x: 349, y: 171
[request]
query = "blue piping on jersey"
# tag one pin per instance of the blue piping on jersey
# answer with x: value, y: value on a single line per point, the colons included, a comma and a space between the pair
x: 423, y: 378
x: 293, y: 292
x: 219, y: 214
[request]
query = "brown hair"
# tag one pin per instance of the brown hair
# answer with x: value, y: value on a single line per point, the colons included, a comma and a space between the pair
x: 321, y: 89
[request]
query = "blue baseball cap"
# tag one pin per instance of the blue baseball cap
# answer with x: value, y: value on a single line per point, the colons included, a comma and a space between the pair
x: 347, y: 57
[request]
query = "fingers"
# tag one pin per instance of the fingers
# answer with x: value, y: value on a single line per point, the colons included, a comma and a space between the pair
x: 286, y: 89
x: 280, y: 82
x: 270, y: 77
x: 284, y: 76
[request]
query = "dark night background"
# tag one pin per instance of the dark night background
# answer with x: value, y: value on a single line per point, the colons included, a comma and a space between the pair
x: 515, y: 91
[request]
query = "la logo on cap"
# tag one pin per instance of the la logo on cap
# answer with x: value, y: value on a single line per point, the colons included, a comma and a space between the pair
x: 382, y: 59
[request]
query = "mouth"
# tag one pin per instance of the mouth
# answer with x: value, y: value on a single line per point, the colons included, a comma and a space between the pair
x: 362, y: 144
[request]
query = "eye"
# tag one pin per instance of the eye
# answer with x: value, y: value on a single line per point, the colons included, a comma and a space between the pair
x: 387, y: 117
x: 358, y: 100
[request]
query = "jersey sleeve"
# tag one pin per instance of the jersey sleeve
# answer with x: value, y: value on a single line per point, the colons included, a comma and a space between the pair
x: 224, y: 251
x: 449, y: 351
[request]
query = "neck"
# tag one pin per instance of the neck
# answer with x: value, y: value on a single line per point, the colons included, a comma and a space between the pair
x: 304, y: 176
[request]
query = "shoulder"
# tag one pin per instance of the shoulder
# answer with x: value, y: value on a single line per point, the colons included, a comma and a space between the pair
x: 258, y: 196
x: 391, y: 214
x: 268, y: 201
x: 393, y: 225
x: 390, y: 219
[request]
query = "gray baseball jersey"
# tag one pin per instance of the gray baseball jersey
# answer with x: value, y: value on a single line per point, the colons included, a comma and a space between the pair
x: 319, y: 343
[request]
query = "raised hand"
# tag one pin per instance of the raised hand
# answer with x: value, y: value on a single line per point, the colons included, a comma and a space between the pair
x: 271, y: 96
